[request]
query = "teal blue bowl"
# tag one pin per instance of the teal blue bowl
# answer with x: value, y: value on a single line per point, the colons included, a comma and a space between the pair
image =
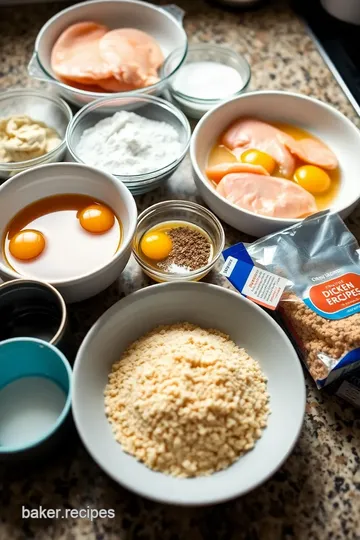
x: 35, y: 396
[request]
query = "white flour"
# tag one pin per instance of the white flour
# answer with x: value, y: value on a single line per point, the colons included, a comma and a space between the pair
x: 128, y: 144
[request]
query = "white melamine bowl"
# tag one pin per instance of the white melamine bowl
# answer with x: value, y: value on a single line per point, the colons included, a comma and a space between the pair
x: 320, y: 119
x: 215, y: 307
x: 164, y: 24
x: 61, y: 178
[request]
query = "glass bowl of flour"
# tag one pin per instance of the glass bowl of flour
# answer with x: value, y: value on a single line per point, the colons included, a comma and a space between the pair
x: 141, y: 140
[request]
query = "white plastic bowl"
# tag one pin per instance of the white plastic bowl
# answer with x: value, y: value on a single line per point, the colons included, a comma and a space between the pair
x: 164, y: 24
x: 216, y: 307
x: 320, y: 119
x: 60, y: 178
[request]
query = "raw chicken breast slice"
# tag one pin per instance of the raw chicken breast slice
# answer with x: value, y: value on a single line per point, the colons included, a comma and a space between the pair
x: 109, y: 85
x: 217, y: 172
x: 249, y: 133
x: 113, y: 85
x: 312, y: 151
x: 87, y: 86
x: 132, y: 55
x: 142, y: 40
x: 76, y: 56
x: 267, y: 195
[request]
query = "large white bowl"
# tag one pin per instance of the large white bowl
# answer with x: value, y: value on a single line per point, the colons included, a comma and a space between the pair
x: 216, y: 307
x: 164, y: 24
x: 61, y: 178
x: 320, y: 119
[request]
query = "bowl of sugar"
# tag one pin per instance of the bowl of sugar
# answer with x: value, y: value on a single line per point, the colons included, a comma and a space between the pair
x: 35, y: 398
x: 210, y: 75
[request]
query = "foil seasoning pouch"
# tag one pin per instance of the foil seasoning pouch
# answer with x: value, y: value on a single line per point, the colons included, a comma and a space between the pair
x: 319, y: 307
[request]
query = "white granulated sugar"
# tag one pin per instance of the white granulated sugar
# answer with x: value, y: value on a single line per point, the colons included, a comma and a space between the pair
x: 208, y: 80
x: 129, y: 144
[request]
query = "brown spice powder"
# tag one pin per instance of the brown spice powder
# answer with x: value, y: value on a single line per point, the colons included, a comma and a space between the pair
x: 190, y: 249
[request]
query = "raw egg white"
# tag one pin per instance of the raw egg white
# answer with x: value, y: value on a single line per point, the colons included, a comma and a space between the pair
x: 257, y: 157
x: 27, y: 244
x: 156, y: 245
x: 96, y: 218
x: 312, y: 178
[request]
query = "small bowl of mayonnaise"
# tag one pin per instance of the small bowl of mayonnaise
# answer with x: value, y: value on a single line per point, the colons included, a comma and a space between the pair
x: 210, y: 75
x: 32, y: 130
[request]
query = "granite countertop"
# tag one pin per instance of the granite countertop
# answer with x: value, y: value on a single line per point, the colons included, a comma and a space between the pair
x: 316, y: 493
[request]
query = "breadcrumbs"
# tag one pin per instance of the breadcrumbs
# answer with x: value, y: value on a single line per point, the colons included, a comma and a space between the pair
x: 186, y: 401
x: 323, y: 341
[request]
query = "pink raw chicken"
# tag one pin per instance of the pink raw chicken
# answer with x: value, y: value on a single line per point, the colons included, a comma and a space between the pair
x: 312, y: 151
x: 267, y: 195
x: 132, y: 55
x: 217, y: 172
x: 249, y: 133
x: 142, y: 40
x: 76, y: 56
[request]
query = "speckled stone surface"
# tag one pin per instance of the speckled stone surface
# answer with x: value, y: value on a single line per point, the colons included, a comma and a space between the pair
x: 316, y: 493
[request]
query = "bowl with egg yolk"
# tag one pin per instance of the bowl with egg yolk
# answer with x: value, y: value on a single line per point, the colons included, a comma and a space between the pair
x: 67, y: 224
x: 280, y: 158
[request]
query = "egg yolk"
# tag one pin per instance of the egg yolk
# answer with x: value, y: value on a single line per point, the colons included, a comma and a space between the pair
x: 27, y: 244
x: 257, y: 157
x: 156, y: 245
x: 96, y: 218
x: 312, y: 178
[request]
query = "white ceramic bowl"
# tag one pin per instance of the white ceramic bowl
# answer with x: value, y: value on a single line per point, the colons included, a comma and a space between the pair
x: 320, y: 119
x: 164, y: 24
x: 60, y: 178
x: 216, y: 307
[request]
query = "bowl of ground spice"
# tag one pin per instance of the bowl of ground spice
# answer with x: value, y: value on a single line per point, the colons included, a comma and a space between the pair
x: 177, y: 241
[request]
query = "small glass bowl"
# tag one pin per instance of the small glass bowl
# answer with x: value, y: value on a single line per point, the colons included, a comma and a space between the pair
x: 185, y: 211
x: 148, y: 106
x: 195, y: 107
x: 41, y: 106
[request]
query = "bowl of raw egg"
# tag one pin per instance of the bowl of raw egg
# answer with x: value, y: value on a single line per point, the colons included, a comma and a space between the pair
x: 177, y: 241
x: 103, y: 47
x: 67, y: 224
x: 265, y: 160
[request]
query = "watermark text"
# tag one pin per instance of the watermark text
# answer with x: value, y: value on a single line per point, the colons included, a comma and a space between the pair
x: 66, y: 513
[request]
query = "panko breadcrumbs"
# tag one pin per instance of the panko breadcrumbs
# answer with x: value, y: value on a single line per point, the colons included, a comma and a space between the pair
x: 186, y: 401
x: 323, y: 341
